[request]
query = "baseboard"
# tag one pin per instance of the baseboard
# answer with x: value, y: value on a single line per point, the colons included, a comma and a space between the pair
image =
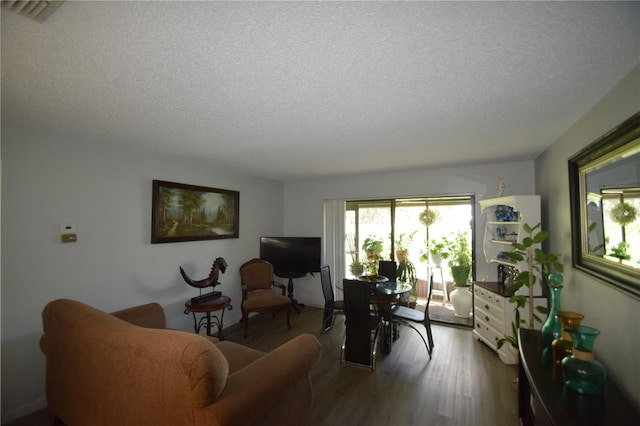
x: 24, y: 410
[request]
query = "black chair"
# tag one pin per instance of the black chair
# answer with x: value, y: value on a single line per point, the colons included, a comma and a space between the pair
x: 362, y: 329
x: 331, y: 306
x: 388, y: 268
x: 406, y: 316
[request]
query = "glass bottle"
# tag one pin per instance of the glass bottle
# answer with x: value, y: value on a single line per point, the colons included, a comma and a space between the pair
x: 552, y: 328
x: 582, y: 373
x: 562, y: 347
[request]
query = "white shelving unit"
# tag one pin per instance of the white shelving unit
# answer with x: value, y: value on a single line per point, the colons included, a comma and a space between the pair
x: 493, y: 314
x: 499, y: 234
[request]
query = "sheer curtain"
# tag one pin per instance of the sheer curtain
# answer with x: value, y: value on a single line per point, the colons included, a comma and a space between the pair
x: 333, y: 240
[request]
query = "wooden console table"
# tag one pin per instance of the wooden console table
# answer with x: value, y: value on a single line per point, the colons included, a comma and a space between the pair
x: 543, y: 399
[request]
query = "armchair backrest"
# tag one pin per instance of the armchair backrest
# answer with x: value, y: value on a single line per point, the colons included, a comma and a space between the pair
x: 256, y: 274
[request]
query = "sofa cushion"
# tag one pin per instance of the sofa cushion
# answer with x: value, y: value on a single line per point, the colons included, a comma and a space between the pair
x: 238, y: 356
x: 264, y: 299
x: 150, y: 315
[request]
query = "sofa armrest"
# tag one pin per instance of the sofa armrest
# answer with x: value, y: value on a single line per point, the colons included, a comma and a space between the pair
x: 150, y: 315
x: 250, y: 393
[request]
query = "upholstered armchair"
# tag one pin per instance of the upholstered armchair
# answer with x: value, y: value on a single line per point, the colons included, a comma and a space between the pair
x: 259, y: 291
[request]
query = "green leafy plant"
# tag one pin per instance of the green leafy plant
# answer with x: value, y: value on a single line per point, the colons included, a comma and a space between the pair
x: 407, y: 273
x: 460, y: 254
x: 456, y: 252
x: 436, y: 248
x: 372, y: 246
x: 538, y: 262
x: 406, y: 268
x: 403, y: 242
x: 620, y: 251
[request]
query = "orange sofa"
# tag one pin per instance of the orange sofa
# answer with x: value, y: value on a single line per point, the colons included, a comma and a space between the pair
x: 128, y: 369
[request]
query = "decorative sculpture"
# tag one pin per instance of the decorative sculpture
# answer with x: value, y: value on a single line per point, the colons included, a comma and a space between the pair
x: 211, y: 281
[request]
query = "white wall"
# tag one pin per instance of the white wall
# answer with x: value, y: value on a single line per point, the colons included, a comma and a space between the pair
x: 615, y: 314
x: 106, y: 193
x: 303, y: 201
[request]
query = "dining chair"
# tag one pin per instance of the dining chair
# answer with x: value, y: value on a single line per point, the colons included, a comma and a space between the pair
x: 362, y: 328
x: 388, y: 268
x: 404, y: 315
x: 331, y: 306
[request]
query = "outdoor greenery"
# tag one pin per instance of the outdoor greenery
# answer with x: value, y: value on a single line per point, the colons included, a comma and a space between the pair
x: 620, y: 251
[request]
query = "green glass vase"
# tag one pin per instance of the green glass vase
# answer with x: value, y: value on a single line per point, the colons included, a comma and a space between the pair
x: 563, y: 346
x: 581, y: 372
x: 552, y: 327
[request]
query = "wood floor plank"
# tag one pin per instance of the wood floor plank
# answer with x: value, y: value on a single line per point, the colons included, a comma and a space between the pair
x: 464, y: 384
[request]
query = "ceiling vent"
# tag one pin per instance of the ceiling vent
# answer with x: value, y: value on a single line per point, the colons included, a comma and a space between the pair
x: 36, y: 10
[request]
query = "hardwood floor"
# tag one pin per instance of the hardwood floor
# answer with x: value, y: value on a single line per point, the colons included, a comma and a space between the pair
x: 464, y: 384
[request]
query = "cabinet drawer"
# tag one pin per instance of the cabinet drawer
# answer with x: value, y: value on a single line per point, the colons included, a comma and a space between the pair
x: 489, y: 334
x: 489, y: 302
x: 489, y: 318
x: 497, y: 302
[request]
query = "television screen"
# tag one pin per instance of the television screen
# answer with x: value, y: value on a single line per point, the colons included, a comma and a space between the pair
x: 291, y: 255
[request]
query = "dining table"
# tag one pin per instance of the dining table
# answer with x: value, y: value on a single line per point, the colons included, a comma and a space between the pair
x: 384, y: 293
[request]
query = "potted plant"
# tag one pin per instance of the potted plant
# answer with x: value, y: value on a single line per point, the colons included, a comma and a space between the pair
x: 406, y: 268
x: 356, y: 267
x: 538, y: 262
x: 372, y: 246
x: 457, y: 254
x: 402, y: 245
x: 438, y: 251
x: 459, y: 260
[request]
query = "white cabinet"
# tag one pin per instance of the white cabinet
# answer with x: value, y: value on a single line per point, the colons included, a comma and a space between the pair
x: 493, y: 316
x: 504, y: 219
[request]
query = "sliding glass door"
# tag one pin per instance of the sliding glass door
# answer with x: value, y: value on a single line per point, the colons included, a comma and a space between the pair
x: 396, y: 224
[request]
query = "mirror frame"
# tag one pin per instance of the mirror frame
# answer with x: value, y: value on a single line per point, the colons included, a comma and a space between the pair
x: 603, y: 149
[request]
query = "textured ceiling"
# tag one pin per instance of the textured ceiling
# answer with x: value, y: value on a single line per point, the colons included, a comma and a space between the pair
x: 295, y: 90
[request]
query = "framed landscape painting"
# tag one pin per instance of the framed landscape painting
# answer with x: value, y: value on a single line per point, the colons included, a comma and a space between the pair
x: 183, y: 212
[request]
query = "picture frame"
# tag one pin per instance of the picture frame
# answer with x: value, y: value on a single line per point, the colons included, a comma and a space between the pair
x: 210, y: 213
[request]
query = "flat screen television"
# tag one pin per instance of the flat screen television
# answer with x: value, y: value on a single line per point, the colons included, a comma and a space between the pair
x: 291, y: 255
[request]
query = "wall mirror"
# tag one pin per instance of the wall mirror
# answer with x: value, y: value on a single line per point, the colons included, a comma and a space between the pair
x: 604, y: 181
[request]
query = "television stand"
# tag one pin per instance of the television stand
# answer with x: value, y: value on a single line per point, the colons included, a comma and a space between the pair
x: 291, y: 275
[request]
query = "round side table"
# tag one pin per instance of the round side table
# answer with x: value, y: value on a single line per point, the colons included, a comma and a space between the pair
x: 208, y: 320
